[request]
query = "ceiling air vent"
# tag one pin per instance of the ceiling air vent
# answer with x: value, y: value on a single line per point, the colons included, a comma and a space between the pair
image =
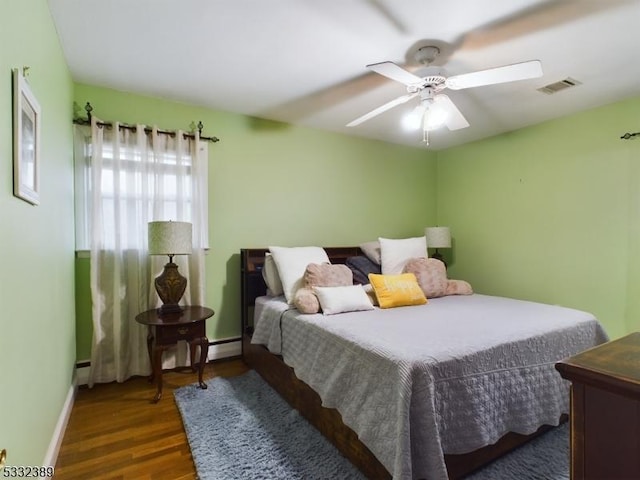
x: 558, y: 86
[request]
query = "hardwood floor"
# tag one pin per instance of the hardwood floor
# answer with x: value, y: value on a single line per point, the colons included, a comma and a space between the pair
x: 114, y: 432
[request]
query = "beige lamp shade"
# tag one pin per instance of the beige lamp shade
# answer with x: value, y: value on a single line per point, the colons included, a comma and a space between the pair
x: 438, y: 237
x: 170, y: 238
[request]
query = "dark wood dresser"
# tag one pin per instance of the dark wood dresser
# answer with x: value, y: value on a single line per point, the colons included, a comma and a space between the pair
x: 605, y: 410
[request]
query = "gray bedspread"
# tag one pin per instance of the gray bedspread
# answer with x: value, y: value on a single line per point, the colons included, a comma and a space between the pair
x: 447, y: 377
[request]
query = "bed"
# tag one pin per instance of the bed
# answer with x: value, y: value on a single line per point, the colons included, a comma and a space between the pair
x: 406, y: 398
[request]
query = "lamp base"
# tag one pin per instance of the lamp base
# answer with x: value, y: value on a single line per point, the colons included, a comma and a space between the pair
x: 170, y: 308
x: 438, y: 256
x: 170, y: 286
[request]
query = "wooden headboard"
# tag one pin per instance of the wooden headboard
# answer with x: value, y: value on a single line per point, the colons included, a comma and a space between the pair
x: 252, y: 284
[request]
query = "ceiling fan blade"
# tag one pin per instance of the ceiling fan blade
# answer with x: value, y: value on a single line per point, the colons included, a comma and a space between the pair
x: 507, y: 73
x: 537, y: 17
x: 394, y: 72
x: 382, y: 109
x: 454, y: 120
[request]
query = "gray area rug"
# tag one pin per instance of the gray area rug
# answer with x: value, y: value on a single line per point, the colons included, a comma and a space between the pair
x: 240, y: 428
x: 543, y: 458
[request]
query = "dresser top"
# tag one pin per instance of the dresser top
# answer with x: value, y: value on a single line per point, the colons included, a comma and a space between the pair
x: 615, y: 363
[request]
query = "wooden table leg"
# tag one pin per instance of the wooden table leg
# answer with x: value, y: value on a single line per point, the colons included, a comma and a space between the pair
x: 149, y: 350
x: 157, y: 371
x: 204, y: 352
x: 195, y: 342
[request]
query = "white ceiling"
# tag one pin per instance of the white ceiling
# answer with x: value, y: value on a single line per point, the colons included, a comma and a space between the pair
x: 303, y: 61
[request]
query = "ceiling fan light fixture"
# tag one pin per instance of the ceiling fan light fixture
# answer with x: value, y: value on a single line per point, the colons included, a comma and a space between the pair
x: 413, y: 120
x: 433, y: 119
x: 434, y: 116
x: 426, y: 116
x: 436, y: 109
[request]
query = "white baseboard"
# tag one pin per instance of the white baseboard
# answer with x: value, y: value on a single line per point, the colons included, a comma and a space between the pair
x: 82, y: 374
x: 216, y: 352
x: 225, y: 350
x: 51, y: 456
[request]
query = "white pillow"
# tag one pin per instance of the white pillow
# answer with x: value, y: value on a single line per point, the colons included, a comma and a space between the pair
x: 350, y: 298
x: 395, y: 253
x: 292, y: 262
x: 371, y: 250
x: 271, y: 277
x: 368, y: 289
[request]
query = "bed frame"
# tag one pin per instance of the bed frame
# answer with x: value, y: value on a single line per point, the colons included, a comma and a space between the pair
x: 304, y: 399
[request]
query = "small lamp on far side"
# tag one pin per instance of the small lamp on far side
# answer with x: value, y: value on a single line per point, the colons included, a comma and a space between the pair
x: 438, y: 237
x: 170, y: 238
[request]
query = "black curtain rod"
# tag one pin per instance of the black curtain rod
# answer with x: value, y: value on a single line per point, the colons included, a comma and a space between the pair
x: 628, y: 136
x: 88, y: 108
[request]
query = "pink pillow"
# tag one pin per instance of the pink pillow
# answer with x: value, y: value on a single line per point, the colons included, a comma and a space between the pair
x: 432, y: 278
x: 305, y: 301
x: 327, y: 275
x: 458, y: 287
x: 431, y: 275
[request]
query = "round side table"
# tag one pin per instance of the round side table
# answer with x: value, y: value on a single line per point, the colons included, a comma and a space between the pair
x: 166, y: 329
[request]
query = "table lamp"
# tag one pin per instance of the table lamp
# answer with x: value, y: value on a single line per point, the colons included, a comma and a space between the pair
x: 438, y: 237
x: 170, y: 238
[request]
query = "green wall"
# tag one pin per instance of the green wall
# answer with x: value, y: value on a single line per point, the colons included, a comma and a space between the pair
x: 37, y: 330
x: 277, y: 184
x: 551, y: 213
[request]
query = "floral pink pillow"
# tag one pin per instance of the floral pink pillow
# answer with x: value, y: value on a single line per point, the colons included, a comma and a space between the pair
x: 432, y: 278
x: 431, y: 275
x: 458, y: 287
x: 306, y: 301
x: 327, y: 275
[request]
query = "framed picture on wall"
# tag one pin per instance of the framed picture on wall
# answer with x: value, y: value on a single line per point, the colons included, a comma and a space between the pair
x: 26, y: 140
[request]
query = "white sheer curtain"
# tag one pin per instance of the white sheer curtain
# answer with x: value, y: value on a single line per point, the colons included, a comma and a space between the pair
x: 136, y: 177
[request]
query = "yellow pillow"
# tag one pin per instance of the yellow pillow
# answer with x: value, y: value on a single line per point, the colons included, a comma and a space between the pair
x: 397, y: 290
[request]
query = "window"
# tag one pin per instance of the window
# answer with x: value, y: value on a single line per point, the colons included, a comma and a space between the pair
x: 141, y: 177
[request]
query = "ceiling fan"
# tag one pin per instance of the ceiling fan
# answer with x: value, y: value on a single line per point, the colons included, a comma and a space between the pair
x: 435, y: 108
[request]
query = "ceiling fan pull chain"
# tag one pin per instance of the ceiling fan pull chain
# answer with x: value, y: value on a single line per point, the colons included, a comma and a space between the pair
x: 425, y: 123
x: 425, y: 137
